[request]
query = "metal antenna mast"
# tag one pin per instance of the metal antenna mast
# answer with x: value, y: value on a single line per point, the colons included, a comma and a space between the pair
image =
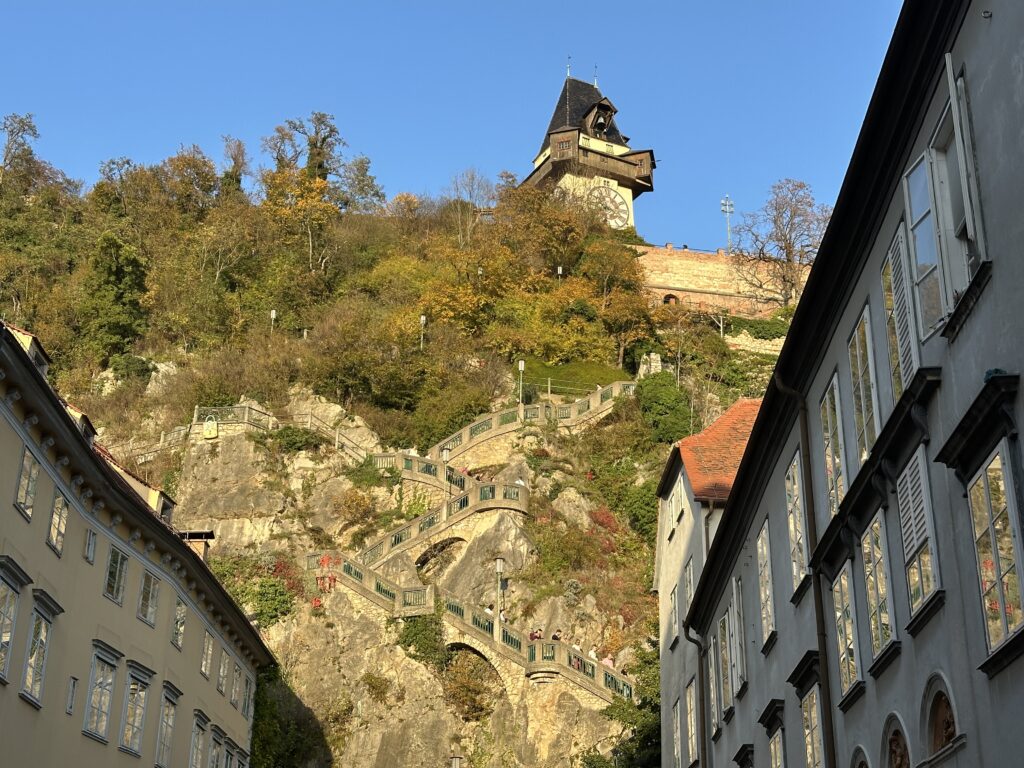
x: 727, y: 209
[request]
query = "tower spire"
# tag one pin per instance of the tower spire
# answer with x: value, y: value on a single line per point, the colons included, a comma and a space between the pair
x: 595, y: 75
x: 568, y: 66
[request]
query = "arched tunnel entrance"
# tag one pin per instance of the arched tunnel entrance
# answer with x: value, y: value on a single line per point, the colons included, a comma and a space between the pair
x: 437, y: 558
x: 471, y: 683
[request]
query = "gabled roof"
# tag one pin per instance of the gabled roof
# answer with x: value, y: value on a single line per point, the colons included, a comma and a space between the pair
x: 712, y: 457
x: 573, y: 104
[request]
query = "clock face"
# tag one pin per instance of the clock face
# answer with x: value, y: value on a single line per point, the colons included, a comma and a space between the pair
x: 612, y: 205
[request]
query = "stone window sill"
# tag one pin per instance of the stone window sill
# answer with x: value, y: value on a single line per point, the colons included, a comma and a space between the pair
x: 924, y: 614
x: 25, y: 513
x: 30, y: 699
x: 959, y: 742
x: 852, y: 695
x: 741, y: 691
x: 801, y: 589
x: 885, y: 657
x: 95, y: 736
x: 1004, y: 655
x: 769, y: 643
x: 128, y: 751
x: 729, y: 712
x: 716, y: 734
x: 958, y: 317
x: 674, y: 643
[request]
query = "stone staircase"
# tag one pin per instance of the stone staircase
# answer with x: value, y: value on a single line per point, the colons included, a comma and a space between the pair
x: 541, y: 661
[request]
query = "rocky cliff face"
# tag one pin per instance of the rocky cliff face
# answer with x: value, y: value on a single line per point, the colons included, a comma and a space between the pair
x: 375, y: 704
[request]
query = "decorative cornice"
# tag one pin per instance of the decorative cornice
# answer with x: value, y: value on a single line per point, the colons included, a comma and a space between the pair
x: 805, y: 674
x: 46, y: 604
x: 771, y: 715
x: 987, y: 419
x: 13, y: 573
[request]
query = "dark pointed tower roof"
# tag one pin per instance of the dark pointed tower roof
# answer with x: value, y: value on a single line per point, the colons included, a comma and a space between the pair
x: 575, y: 101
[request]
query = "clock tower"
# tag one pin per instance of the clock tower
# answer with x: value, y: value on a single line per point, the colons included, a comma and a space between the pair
x: 586, y: 156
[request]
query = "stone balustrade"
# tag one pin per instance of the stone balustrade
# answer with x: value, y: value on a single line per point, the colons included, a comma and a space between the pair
x: 536, y: 657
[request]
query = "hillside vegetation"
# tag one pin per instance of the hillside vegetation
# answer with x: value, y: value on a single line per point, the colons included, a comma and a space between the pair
x: 409, y: 311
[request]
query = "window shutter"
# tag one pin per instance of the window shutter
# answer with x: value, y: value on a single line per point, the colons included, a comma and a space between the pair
x: 914, y: 503
x: 961, y: 131
x: 906, y: 336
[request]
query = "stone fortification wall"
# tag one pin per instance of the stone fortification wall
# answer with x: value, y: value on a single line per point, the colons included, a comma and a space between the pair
x: 702, y: 280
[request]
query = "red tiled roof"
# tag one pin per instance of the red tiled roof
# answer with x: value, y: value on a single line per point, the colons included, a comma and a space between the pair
x: 712, y: 457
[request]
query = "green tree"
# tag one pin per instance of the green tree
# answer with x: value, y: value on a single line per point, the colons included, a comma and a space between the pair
x: 664, y: 407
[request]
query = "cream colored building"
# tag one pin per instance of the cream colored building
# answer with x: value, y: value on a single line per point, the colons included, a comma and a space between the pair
x: 118, y: 647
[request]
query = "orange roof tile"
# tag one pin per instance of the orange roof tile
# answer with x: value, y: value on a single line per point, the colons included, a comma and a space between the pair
x: 712, y: 457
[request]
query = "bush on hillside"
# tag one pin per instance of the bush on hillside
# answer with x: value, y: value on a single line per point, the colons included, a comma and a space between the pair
x: 127, y: 366
x: 664, y: 407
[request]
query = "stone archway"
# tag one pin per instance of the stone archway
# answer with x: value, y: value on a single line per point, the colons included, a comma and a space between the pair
x: 472, y: 684
x: 436, y: 558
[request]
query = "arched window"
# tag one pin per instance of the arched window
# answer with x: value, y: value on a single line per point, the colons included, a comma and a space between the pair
x: 860, y: 760
x: 670, y: 299
x: 941, y: 722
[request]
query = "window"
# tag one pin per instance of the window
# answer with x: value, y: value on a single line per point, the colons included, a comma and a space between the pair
x: 795, y: 517
x: 812, y: 731
x: 148, y: 596
x: 117, y: 567
x: 776, y: 759
x: 134, y: 713
x: 832, y: 435
x: 764, y: 583
x: 677, y: 745
x: 26, y: 498
x: 165, y: 731
x: 679, y: 503
x: 862, y: 373
x: 236, y: 684
x: 691, y: 721
x: 923, y: 246
x: 724, y: 661
x: 222, y: 672
x: 673, y: 614
x: 8, y: 612
x: 58, y: 523
x: 899, y: 320
x: 178, y: 630
x: 877, y: 584
x: 688, y: 584
x: 247, y: 698
x: 996, y: 543
x: 846, y: 637
x: 195, y: 755
x: 35, y: 663
x: 216, y: 749
x: 89, y: 553
x: 69, y: 704
x: 713, y: 686
x: 207, y: 661
x: 101, y: 690
x: 739, y: 656
x: 563, y: 144
x: 914, y: 500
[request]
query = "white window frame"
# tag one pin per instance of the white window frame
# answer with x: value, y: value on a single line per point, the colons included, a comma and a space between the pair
x: 926, y: 328
x: 833, y: 446
x: 724, y: 652
x: 878, y: 586
x: 89, y: 551
x: 236, y: 682
x: 677, y: 745
x: 691, y: 720
x: 223, y: 670
x: 178, y: 623
x: 901, y: 329
x: 195, y: 750
x: 250, y: 686
x: 58, y: 523
x: 28, y: 484
x: 688, y: 583
x: 716, y: 715
x: 867, y: 412
x: 845, y: 623
x: 206, y: 662
x: 9, y: 597
x: 764, y: 583
x: 69, y: 702
x: 165, y: 730
x: 673, y: 613
x: 148, y: 607
x: 134, y: 706
x: 810, y: 718
x: 35, y: 668
x: 979, y: 492
x: 121, y: 576
x: 216, y: 748
x: 738, y: 637
x: 105, y: 698
x: 776, y: 750
x: 795, y: 520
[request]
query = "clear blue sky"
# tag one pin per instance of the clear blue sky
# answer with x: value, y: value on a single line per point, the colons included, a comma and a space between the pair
x: 731, y: 96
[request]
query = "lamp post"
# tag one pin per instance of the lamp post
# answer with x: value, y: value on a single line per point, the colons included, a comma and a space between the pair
x: 455, y: 760
x: 423, y: 326
x: 499, y: 567
x: 522, y: 367
x: 273, y: 317
x: 559, y: 274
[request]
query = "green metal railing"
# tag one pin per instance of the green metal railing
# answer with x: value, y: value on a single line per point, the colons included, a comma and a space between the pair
x: 512, y: 639
x: 399, y: 536
x: 352, y: 571
x: 480, y: 427
x: 383, y: 589
x: 483, y: 623
x: 508, y: 417
x: 510, y: 493
x: 486, y: 492
x: 455, y: 608
x: 414, y: 597
x: 429, y: 522
x: 582, y: 407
